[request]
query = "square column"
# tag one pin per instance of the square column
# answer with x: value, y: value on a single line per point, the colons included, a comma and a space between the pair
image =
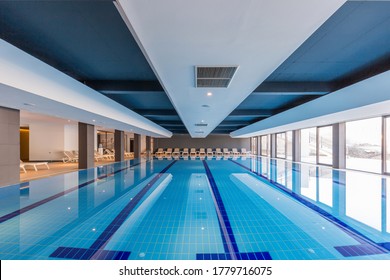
x: 339, y: 152
x: 273, y: 146
x: 9, y: 146
x: 137, y: 145
x: 148, y: 146
x: 119, y: 145
x: 86, y: 146
x: 296, y: 142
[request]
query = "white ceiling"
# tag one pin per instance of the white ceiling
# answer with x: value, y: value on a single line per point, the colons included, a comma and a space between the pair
x: 257, y: 35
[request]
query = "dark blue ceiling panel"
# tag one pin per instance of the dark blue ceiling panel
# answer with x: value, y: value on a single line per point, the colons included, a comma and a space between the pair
x: 143, y: 100
x: 85, y: 39
x: 356, y: 36
x: 268, y: 102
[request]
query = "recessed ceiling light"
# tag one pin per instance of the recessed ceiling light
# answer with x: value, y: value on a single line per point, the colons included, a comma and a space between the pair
x: 206, y: 106
x: 94, y: 120
x: 209, y: 93
x: 202, y: 121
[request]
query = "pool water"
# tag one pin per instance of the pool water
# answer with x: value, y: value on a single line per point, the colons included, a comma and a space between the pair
x: 205, y: 209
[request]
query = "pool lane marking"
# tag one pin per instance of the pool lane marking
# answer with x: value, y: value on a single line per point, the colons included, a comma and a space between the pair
x: 227, y: 237
x: 50, y: 198
x: 96, y: 250
x: 231, y: 248
x: 366, y: 246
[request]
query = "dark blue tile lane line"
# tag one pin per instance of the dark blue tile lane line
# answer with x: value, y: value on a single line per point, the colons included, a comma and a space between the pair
x: 50, y: 198
x: 96, y: 250
x: 228, y: 239
x: 366, y: 246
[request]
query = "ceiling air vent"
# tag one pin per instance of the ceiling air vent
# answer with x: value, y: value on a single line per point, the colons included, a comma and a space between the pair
x: 201, y: 124
x: 214, y: 76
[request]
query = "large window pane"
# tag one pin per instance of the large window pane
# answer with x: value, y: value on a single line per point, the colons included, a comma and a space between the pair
x: 289, y: 145
x: 363, y: 141
x: 308, y: 145
x: 281, y: 145
x: 265, y: 145
x: 254, y: 146
x: 388, y: 145
x: 325, y: 146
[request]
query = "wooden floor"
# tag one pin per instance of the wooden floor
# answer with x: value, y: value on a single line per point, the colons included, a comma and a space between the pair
x: 56, y: 168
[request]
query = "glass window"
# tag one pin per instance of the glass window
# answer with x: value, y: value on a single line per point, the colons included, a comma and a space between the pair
x: 309, y: 145
x: 265, y: 145
x: 388, y: 145
x: 281, y: 145
x: 289, y: 144
x: 325, y: 145
x: 254, y: 146
x: 363, y: 143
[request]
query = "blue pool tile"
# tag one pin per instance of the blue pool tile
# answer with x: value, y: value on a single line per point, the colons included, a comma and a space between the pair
x: 359, y: 250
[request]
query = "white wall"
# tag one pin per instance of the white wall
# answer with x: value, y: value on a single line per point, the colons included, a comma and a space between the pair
x: 71, y: 137
x: 46, y: 141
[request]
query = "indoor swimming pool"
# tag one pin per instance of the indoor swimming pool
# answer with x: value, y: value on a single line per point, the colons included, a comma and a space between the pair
x: 201, y: 209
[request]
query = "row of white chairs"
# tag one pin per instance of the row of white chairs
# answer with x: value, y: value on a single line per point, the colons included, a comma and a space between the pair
x: 202, y: 152
x: 72, y: 156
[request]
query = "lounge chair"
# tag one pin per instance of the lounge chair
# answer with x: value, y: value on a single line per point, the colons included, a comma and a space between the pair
x: 109, y: 154
x: 176, y: 153
x: 209, y: 152
x: 184, y: 153
x: 235, y: 152
x: 129, y: 154
x: 226, y: 152
x: 98, y: 156
x: 193, y: 153
x: 244, y: 152
x: 70, y: 157
x: 23, y: 165
x: 159, y: 153
x: 168, y: 153
x: 218, y: 152
x: 202, y: 152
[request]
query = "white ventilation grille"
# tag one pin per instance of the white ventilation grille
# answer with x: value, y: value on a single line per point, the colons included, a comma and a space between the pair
x: 201, y: 124
x: 214, y: 76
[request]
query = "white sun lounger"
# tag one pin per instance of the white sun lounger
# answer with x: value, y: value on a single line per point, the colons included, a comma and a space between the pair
x: 184, y: 153
x: 210, y: 152
x: 23, y: 165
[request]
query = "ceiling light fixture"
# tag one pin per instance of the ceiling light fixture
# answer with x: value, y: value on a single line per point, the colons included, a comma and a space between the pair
x: 209, y: 93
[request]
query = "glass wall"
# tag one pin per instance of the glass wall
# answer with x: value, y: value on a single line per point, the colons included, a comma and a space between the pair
x: 265, y: 145
x: 325, y: 145
x: 387, y: 147
x: 254, y: 145
x: 281, y: 145
x: 364, y: 145
x: 289, y: 144
x: 309, y: 145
